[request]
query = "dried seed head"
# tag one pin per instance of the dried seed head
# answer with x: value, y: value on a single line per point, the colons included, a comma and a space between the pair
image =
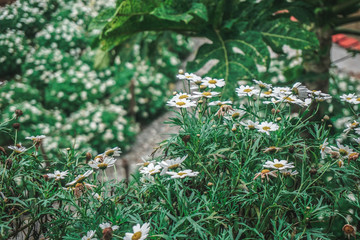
x: 18, y: 113
x: 46, y: 177
x: 349, y: 230
x: 88, y: 157
x: 2, y: 150
x: 313, y: 171
x: 353, y: 156
x: 107, y: 233
x: 16, y: 126
x: 186, y: 139
x: 334, y: 155
x: 8, y: 163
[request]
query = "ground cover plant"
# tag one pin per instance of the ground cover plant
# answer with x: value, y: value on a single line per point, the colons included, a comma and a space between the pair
x: 250, y: 168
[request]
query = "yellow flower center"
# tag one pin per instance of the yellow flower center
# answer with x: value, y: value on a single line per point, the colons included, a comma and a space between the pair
x: 352, y: 154
x: 81, y: 178
x: 354, y: 124
x: 266, y: 128
x: 188, y: 76
x: 182, y: 173
x: 278, y: 165
x: 343, y: 152
x: 212, y: 81
x: 206, y: 93
x: 265, y: 171
x: 180, y: 103
x: 183, y: 96
x: 102, y: 165
x: 235, y: 115
x: 289, y: 99
x: 146, y: 164
x: 136, y: 236
x: 247, y: 90
x: 358, y: 99
x: 348, y: 98
x: 251, y: 126
x: 268, y: 92
x: 109, y: 152
x: 173, y: 166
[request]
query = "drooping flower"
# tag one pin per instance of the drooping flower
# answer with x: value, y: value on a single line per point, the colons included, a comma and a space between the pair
x: 80, y: 178
x: 324, y: 149
x: 279, y: 165
x: 288, y: 172
x: 103, y: 163
x: 183, y: 174
x: 267, y: 127
x: 213, y: 82
x: 300, y: 91
x: 151, y: 169
x: 18, y: 148
x: 58, y: 175
x: 265, y: 173
x: 113, y: 152
x: 349, y: 230
x: 249, y: 124
x: 139, y: 232
x: 262, y: 84
x: 171, y: 164
x: 89, y: 235
x: 219, y: 103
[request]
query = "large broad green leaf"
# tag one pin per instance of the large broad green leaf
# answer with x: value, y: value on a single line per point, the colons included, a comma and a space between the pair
x: 237, y: 56
x: 102, y: 19
x: 168, y: 13
x: 282, y: 32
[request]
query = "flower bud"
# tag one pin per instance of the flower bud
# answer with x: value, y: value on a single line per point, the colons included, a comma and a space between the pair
x: 210, y: 184
x: 16, y: 126
x: 88, y: 156
x: 18, y: 113
x: 326, y: 118
x: 181, y: 71
x: 185, y: 139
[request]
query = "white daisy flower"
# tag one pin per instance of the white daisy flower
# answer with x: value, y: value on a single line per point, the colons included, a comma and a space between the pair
x: 350, y: 126
x: 36, y: 138
x: 262, y: 84
x: 80, y: 178
x: 279, y: 165
x: 213, y: 82
x: 113, y: 152
x: 267, y: 127
x: 267, y: 94
x: 189, y: 76
x: 249, y: 124
x: 96, y: 196
x: 246, y: 91
x: 357, y: 140
x: 89, y: 235
x: 289, y: 99
x: 181, y: 103
x: 108, y: 225
x: 151, y: 169
x: 219, y: 103
x: 344, y: 151
x: 182, y: 174
x: 300, y: 90
x: 139, y: 232
x: 288, y: 172
x: 58, y: 175
x: 144, y: 163
x: 205, y: 94
x: 320, y: 96
x: 171, y: 164
x: 350, y: 98
x: 18, y: 148
x: 357, y: 131
x: 234, y: 114
x: 104, y: 163
x: 272, y: 101
x: 356, y: 101
x: 180, y: 96
x: 324, y: 149
x: 282, y: 91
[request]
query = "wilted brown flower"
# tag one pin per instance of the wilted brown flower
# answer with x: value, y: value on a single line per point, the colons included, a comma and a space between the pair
x: 16, y: 126
x: 18, y: 113
x: 349, y: 230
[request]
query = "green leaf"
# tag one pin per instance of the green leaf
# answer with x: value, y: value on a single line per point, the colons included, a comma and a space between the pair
x: 102, y: 19
x: 168, y: 13
x: 284, y: 32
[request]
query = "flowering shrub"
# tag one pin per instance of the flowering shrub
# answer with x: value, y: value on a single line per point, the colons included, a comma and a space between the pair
x: 49, y: 68
x: 249, y: 168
